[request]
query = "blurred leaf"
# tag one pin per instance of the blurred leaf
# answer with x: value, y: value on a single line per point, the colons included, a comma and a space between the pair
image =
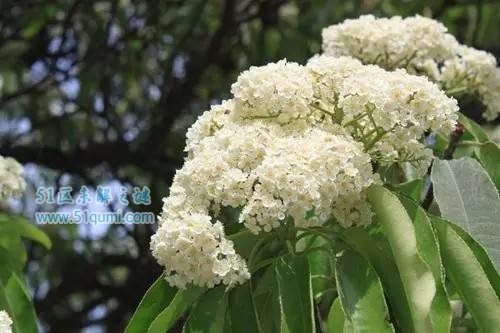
x: 412, y: 189
x: 336, y: 318
x: 18, y: 305
x: 466, y: 196
x: 473, y: 128
x: 489, y: 156
x: 361, y: 294
x: 22, y: 227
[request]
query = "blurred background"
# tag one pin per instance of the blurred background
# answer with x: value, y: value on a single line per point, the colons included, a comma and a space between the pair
x: 102, y: 92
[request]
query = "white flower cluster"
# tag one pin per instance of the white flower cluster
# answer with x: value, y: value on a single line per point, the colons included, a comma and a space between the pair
x: 195, y: 250
x: 296, y: 143
x: 475, y: 72
x: 421, y: 46
x: 12, y: 183
x: 282, y: 90
x: 388, y: 111
x: 5, y: 322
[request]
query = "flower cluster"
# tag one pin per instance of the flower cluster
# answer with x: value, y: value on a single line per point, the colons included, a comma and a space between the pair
x: 475, y: 72
x: 5, y: 323
x: 195, y: 250
x: 12, y: 183
x: 421, y: 46
x: 281, y: 91
x: 295, y: 144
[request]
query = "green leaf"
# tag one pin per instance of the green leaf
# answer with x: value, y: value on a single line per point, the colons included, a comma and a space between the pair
x: 374, y: 247
x: 295, y: 295
x: 361, y: 294
x: 241, y: 310
x: 481, y: 256
x: 412, y: 189
x: 336, y: 318
x: 157, y: 298
x: 428, y: 248
x: 417, y: 278
x: 24, y: 228
x: 469, y: 278
x: 180, y: 303
x: 473, y: 128
x: 320, y: 266
x: 466, y: 196
x: 18, y: 304
x: 489, y: 156
x: 266, y: 301
x: 244, y: 241
x: 208, y: 315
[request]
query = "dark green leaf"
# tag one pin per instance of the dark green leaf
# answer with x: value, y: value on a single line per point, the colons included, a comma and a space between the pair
x: 241, y: 310
x: 295, y: 295
x: 208, y: 315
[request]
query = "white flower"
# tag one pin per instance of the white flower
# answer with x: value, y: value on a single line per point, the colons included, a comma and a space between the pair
x: 12, y: 183
x: 390, y: 42
x: 5, y: 323
x: 208, y: 124
x: 421, y: 46
x: 271, y: 173
x: 388, y: 111
x: 282, y: 91
x: 307, y: 176
x: 475, y: 72
x: 194, y: 250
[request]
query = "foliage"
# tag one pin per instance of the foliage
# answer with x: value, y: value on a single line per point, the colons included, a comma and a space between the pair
x: 98, y: 91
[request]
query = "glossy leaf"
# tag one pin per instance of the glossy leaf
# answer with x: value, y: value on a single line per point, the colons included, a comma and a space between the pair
x: 481, y: 256
x: 428, y: 247
x: 469, y: 278
x: 208, y: 315
x: 374, y: 247
x: 295, y: 295
x: 361, y: 294
x: 157, y: 298
x: 466, y: 196
x: 182, y: 300
x: 417, y: 278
